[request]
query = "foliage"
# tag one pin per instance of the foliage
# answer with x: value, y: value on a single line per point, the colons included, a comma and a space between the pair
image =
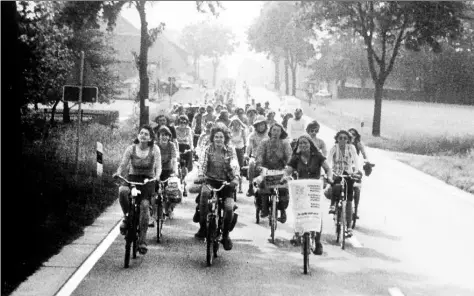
x: 390, y: 25
x: 277, y: 33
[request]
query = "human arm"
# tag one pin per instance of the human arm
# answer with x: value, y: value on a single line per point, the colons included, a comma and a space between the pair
x: 260, y: 154
x: 174, y: 159
x: 324, y: 149
x: 361, y: 147
x: 330, y: 158
x: 355, y: 158
x: 157, y: 165
x: 125, y: 161
x: 250, y: 145
x: 328, y: 171
x: 190, y: 138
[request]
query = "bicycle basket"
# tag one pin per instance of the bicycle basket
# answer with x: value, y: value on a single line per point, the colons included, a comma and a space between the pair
x: 173, y: 190
x: 272, y: 179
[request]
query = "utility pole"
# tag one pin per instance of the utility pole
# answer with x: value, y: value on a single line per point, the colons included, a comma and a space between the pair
x: 79, y: 119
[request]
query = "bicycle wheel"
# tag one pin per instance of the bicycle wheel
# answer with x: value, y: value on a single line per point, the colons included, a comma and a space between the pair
x: 344, y: 225
x: 211, y: 231
x: 128, y: 241
x: 338, y: 223
x: 306, y: 243
x: 159, y: 220
x: 257, y: 210
x: 273, y: 218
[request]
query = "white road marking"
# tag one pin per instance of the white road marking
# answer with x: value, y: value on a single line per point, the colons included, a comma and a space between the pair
x: 395, y: 292
x: 84, y: 269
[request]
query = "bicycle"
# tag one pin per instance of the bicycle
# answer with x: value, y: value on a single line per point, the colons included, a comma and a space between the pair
x: 339, y: 216
x: 308, y: 239
x: 183, y: 169
x: 160, y: 209
x: 272, y: 181
x: 214, y: 221
x: 133, y: 216
x: 357, y: 185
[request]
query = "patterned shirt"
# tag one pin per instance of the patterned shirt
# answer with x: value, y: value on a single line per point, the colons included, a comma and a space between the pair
x: 340, y: 162
x: 220, y: 166
x: 168, y: 155
x: 255, y: 139
x: 273, y: 155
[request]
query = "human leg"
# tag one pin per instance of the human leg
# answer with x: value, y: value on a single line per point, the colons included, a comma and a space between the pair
x: 283, y: 202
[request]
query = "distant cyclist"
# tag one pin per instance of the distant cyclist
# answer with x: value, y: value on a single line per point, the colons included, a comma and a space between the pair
x: 313, y: 129
x: 296, y: 126
x: 255, y: 139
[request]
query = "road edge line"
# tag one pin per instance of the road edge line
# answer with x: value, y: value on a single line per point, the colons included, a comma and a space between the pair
x: 71, y: 284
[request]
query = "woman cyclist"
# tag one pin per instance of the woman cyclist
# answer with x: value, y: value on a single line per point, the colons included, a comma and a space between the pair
x: 360, y: 148
x: 169, y: 162
x: 184, y: 134
x: 217, y: 165
x: 238, y: 139
x: 273, y: 154
x: 307, y: 161
x: 144, y: 160
x: 204, y: 140
x: 163, y: 120
x: 342, y: 159
x: 255, y: 139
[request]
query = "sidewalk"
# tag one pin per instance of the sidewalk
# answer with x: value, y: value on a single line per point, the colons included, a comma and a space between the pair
x: 50, y: 278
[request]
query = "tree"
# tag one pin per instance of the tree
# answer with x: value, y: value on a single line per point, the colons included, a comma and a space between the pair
x: 220, y: 41
x: 277, y: 33
x: 388, y: 25
x: 192, y: 41
x: 85, y: 14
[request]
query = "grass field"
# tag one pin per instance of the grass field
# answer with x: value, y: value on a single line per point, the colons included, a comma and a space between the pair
x: 435, y: 138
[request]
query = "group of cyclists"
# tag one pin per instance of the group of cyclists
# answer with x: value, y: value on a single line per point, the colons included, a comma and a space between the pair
x: 229, y: 144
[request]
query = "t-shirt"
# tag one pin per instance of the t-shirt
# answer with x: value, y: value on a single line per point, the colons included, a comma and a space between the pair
x: 309, y: 170
x: 296, y: 128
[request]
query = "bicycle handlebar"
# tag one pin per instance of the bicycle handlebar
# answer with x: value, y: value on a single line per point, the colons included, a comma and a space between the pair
x: 135, y: 183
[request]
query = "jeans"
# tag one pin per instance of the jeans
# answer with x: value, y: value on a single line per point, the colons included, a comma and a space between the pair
x: 186, y: 159
x: 226, y: 193
x: 146, y: 194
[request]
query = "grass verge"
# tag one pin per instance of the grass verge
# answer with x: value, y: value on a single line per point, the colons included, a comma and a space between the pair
x: 444, y: 151
x: 50, y: 207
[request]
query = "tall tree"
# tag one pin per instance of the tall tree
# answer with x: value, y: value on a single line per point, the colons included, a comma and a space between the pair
x: 86, y: 14
x: 388, y: 25
x: 192, y: 41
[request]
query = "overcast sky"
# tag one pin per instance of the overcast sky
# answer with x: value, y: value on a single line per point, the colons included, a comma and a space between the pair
x: 237, y: 15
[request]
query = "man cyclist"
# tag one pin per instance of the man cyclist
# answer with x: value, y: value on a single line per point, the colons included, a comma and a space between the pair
x: 197, y: 124
x: 296, y: 126
x: 255, y: 139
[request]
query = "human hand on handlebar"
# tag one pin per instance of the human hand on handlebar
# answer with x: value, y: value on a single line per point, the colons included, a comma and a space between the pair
x: 234, y: 183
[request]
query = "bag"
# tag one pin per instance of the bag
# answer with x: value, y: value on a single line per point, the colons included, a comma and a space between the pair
x: 173, y: 191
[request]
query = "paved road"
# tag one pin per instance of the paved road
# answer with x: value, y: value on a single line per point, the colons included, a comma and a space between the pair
x: 413, y: 237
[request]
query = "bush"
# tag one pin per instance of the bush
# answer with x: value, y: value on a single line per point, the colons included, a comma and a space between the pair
x: 54, y: 206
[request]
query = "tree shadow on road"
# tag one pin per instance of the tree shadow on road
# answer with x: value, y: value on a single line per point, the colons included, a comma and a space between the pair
x: 376, y: 233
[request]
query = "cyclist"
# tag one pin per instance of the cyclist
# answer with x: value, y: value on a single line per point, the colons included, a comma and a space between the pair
x: 255, y: 139
x: 204, y: 140
x: 238, y: 138
x: 273, y: 154
x: 251, y: 115
x: 169, y: 162
x: 270, y: 117
x: 144, y: 160
x: 342, y: 159
x: 267, y: 106
x: 307, y: 161
x: 218, y: 164
x: 223, y: 117
x: 313, y: 129
x: 184, y: 135
x: 360, y: 148
x: 296, y: 126
x: 241, y: 114
x: 209, y: 116
x: 163, y: 120
x: 285, y: 120
x: 197, y: 124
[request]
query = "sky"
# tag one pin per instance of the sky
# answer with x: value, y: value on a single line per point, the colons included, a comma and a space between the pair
x: 238, y: 15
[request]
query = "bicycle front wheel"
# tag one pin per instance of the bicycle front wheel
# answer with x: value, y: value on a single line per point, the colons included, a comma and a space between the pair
x: 211, y: 234
x: 273, y: 219
x: 160, y: 219
x: 344, y: 225
x: 306, y: 246
x: 338, y: 223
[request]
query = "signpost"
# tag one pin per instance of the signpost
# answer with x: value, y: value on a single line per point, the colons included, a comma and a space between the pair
x: 80, y: 93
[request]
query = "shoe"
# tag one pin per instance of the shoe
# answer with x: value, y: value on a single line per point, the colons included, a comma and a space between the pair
x: 151, y: 222
x: 295, y: 241
x: 123, y: 226
x: 332, y: 210
x: 348, y: 232
x: 196, y: 216
x: 319, y: 249
x: 240, y: 191
x: 201, y: 234
x: 250, y: 192
x: 142, y: 248
x: 282, y: 218
x: 263, y: 214
x: 354, y: 216
x: 235, y: 217
x: 227, y: 242
x: 185, y: 193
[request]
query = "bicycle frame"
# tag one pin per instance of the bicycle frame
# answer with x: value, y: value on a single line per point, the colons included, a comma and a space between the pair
x: 160, y: 202
x: 214, y: 222
x: 340, y: 214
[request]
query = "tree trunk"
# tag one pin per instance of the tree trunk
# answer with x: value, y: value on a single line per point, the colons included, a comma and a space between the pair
x: 378, y: 94
x: 287, y: 82
x: 66, y: 115
x: 143, y: 62
x: 276, y: 60
x: 293, y: 80
x: 53, y: 112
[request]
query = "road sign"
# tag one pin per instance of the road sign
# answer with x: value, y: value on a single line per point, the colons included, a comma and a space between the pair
x: 71, y: 93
